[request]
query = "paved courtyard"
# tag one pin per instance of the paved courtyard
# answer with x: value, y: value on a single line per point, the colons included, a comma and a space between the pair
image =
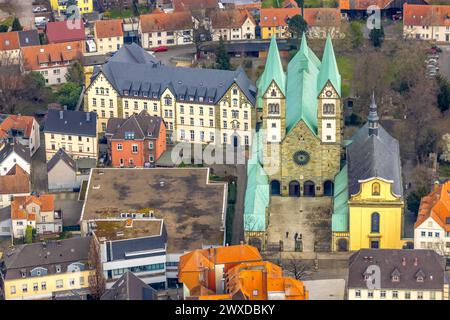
x: 310, y: 217
x: 71, y: 207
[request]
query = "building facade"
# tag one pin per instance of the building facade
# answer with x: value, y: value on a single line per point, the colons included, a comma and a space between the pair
x: 21, y: 129
x: 426, y: 22
x: 15, y: 183
x: 108, y: 35
x: 12, y: 154
x: 232, y: 24
x: 83, y: 6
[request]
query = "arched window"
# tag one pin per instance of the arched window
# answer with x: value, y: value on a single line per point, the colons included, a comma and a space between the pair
x: 375, y: 222
x: 328, y: 108
x: 375, y: 189
x: 274, y: 108
x: 273, y: 93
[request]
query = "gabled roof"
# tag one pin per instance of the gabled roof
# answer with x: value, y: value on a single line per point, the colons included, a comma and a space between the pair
x: 278, y: 17
x: 46, y: 202
x: 133, y: 53
x: 16, y: 181
x: 17, y: 122
x: 18, y: 149
x: 192, y: 5
x: 426, y: 15
x: 61, y: 155
x: 71, y: 122
x: 108, y: 28
x: 34, y: 56
x: 363, y: 4
x: 275, y: 17
x: 162, y: 21
x: 59, y: 31
x: 437, y: 206
x: 142, y: 125
x: 9, y: 41
x: 329, y: 70
x: 130, y: 287
x: 231, y: 18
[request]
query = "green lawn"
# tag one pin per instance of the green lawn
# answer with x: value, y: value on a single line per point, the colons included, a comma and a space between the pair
x: 321, y: 3
x: 444, y: 170
x: 117, y: 13
x: 345, y: 65
x: 272, y: 3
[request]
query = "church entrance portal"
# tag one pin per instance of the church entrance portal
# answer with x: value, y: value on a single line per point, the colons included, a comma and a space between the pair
x: 275, y: 188
x: 309, y: 189
x: 294, y: 189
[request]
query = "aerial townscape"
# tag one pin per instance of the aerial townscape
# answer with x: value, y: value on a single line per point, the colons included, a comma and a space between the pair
x: 224, y: 150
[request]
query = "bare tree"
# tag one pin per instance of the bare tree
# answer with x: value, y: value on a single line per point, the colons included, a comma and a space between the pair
x: 298, y: 268
x: 97, y: 281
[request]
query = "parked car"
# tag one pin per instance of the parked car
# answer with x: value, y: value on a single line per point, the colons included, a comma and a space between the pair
x: 435, y: 47
x: 37, y: 9
x: 160, y: 49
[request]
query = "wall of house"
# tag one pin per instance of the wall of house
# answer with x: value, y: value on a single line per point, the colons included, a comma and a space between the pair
x: 54, y: 75
x: 62, y: 178
x: 5, y: 228
x: 35, y: 138
x: 166, y: 38
x: 19, y: 226
x: 10, y: 161
x: 430, y: 235
x: 126, y: 154
x: 86, y: 148
x: 414, y: 294
x: 84, y: 6
x: 108, y: 45
x: 5, y: 199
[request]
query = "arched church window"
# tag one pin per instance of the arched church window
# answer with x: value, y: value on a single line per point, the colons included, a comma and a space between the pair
x: 375, y: 189
x: 273, y: 93
x: 328, y: 108
x: 274, y: 108
x: 375, y: 222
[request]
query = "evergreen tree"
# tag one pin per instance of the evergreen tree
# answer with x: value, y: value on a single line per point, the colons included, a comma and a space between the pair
x: 297, y: 26
x: 3, y: 28
x: 222, y: 57
x: 443, y: 94
x: 68, y: 95
x: 16, y: 25
x: 377, y: 36
x: 75, y: 74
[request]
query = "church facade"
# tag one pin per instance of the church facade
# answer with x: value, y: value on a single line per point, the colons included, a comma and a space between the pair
x: 302, y: 122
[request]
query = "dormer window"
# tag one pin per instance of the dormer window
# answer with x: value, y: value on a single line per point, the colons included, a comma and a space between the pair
x: 420, y: 276
x: 23, y: 273
x: 58, y: 269
x: 126, y: 92
x: 210, y: 100
x: 200, y: 99
x: 136, y: 93
x: 181, y: 97
x: 395, y: 275
x: 167, y: 100
x: 191, y: 98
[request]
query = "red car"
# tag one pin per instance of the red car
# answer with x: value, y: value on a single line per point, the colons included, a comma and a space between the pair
x: 160, y: 49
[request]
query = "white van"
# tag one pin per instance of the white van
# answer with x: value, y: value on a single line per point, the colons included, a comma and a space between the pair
x: 40, y: 21
x: 90, y: 46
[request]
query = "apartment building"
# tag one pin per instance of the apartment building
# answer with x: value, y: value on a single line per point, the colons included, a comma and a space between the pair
x: 15, y: 183
x: 232, y: 24
x: 426, y: 22
x: 73, y: 131
x: 166, y: 29
x: 60, y: 6
x: 393, y: 274
x: 432, y: 228
x: 137, y: 141
x: 20, y: 129
x: 9, y: 48
x: 47, y: 270
x: 52, y: 60
x: 108, y: 35
x: 37, y: 211
x: 197, y: 105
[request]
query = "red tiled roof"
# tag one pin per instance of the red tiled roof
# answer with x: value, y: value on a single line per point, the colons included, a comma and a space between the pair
x: 15, y: 181
x: 363, y: 4
x: 181, y: 5
x: 436, y: 205
x: 9, y: 41
x: 233, y: 18
x: 108, y: 28
x: 62, y: 31
x: 45, y: 202
x: 166, y: 21
x: 57, y: 52
x: 274, y: 17
x: 426, y: 15
x: 24, y: 123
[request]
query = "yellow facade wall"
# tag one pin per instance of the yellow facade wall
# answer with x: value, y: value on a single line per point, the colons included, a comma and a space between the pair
x: 280, y: 32
x: 387, y: 205
x: 84, y: 6
x: 80, y: 281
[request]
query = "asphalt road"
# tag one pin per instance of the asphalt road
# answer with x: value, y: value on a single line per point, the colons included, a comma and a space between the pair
x: 178, y: 51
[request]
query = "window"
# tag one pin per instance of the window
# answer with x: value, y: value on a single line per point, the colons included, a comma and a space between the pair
x: 191, y: 110
x: 211, y: 111
x: 328, y: 108
x: 94, y: 102
x: 273, y: 93
x: 224, y: 124
x: 235, y: 91
x: 211, y: 123
x: 136, y: 106
x: 375, y: 189
x: 370, y: 294
x: 155, y: 107
x: 192, y: 133
x: 134, y: 148
x: 182, y: 135
x: 382, y: 294
x: 167, y: 100
x: 202, y: 135
x: 181, y: 109
x: 432, y: 295
x: 436, y: 234
x: 201, y: 111
x: 395, y: 294
x: 72, y: 282
x: 328, y: 125
x: 375, y: 222
x: 24, y: 288
x: 235, y: 102
x: 274, y: 108
x: 182, y: 120
x: 246, y: 140
x: 423, y: 233
x: 419, y: 295
x: 358, y: 293
x: 59, y: 284
x: 225, y: 138
x: 150, y: 145
x: 245, y: 115
x: 211, y: 136
x: 119, y: 147
x: 407, y: 295
x: 430, y: 234
x: 35, y: 287
x: 12, y: 289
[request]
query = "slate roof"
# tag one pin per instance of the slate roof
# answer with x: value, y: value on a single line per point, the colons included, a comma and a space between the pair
x: 20, y: 150
x: 130, y: 287
x: 28, y: 256
x: 374, y: 156
x: 5, y: 213
x: 29, y: 38
x: 133, y: 53
x: 72, y: 122
x: 143, y: 125
x: 61, y: 155
x: 428, y: 262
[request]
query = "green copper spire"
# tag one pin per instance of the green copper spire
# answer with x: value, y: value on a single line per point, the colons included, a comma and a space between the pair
x: 329, y: 70
x: 302, y: 58
x: 273, y: 70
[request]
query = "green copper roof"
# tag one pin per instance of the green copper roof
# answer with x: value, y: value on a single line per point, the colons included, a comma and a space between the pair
x: 257, y: 194
x: 339, y: 219
x: 329, y: 70
x: 301, y: 93
x: 273, y: 70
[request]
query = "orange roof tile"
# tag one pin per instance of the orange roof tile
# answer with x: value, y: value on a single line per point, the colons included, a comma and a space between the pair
x: 426, y: 15
x: 233, y: 18
x: 57, y: 52
x: 16, y: 181
x: 192, y: 5
x: 17, y: 122
x: 108, y: 28
x: 18, y: 211
x: 436, y: 205
x: 363, y: 4
x: 274, y: 17
x: 9, y: 41
x: 162, y: 21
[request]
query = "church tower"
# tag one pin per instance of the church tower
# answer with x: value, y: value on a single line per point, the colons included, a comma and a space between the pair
x: 272, y: 88
x: 373, y: 117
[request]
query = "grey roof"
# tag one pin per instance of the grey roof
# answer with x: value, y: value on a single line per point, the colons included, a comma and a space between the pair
x: 142, y: 125
x: 29, y: 38
x: 371, y: 156
x: 133, y: 53
x: 129, y: 287
x: 95, y: 60
x: 21, y: 150
x: 71, y: 122
x: 5, y: 213
x: 61, y: 155
x: 149, y: 79
x: 85, y: 163
x: 28, y: 256
x: 428, y: 262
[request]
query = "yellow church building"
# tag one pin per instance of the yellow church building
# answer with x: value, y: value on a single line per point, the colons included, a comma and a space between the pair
x: 368, y: 196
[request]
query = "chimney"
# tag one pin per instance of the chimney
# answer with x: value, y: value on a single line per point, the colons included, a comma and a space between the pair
x: 415, y: 261
x: 61, y: 114
x: 88, y: 117
x: 404, y: 261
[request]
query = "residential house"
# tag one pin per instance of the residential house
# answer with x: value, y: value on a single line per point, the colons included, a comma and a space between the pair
x: 166, y: 29
x: 12, y: 154
x: 37, y: 211
x: 66, y: 174
x: 9, y: 48
x: 105, y: 5
x: 108, y: 35
x: 368, y: 191
x: 5, y: 222
x: 137, y: 229
x: 321, y: 21
x: 391, y: 274
x: 137, y: 141
x: 20, y: 129
x: 52, y: 60
x: 60, y: 6
x: 65, y: 31
x: 427, y: 22
x: 197, y: 105
x: 73, y: 131
x: 47, y: 270
x: 194, y: 5
x: 358, y: 9
x: 232, y: 24
x: 432, y: 228
x: 235, y: 273
x: 15, y: 183
x: 130, y: 287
